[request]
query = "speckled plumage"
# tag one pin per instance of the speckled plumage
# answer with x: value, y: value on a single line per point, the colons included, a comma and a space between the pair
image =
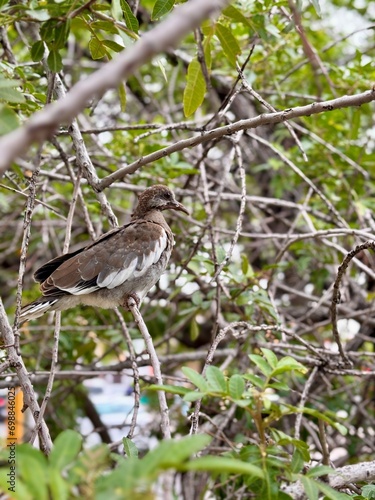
x: 126, y: 261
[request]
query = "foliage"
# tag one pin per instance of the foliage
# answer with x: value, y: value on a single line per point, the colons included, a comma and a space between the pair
x: 254, y: 265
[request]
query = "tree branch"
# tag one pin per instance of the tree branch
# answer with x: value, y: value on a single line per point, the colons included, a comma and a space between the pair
x: 339, y: 478
x: 17, y: 363
x: 260, y: 120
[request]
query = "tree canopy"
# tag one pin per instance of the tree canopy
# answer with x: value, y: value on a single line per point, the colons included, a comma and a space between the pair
x: 259, y: 116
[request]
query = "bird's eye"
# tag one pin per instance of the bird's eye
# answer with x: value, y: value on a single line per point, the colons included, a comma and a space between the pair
x: 168, y: 196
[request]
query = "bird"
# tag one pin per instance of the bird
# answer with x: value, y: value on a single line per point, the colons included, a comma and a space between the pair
x: 125, y: 262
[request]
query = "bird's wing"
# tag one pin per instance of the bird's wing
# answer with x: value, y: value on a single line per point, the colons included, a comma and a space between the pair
x: 49, y: 267
x: 109, y: 262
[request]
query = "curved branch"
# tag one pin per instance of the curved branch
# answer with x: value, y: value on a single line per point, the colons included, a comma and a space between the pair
x: 345, y: 101
x: 16, y: 362
x: 336, y: 294
x: 339, y: 478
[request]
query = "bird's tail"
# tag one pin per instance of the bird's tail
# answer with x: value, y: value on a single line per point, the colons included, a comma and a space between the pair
x: 37, y: 308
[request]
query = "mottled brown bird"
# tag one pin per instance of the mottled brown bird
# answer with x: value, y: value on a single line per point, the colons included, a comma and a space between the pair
x: 126, y: 261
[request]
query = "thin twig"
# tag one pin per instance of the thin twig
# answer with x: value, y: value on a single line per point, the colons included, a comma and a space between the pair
x: 16, y: 362
x: 303, y: 400
x: 133, y: 361
x: 155, y: 363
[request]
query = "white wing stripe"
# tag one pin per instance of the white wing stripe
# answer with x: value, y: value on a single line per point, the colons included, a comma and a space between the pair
x: 103, y: 283
x: 136, y: 268
x: 160, y: 247
x: 123, y: 275
x: 79, y: 290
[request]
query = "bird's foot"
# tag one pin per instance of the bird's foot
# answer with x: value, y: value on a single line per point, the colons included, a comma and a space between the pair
x: 129, y: 300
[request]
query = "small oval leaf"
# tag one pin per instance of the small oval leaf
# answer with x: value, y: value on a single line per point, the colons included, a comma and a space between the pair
x: 216, y: 379
x: 37, y: 51
x: 54, y: 61
x: 195, y: 88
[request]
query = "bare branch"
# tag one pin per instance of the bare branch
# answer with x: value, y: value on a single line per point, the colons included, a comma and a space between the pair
x: 16, y: 362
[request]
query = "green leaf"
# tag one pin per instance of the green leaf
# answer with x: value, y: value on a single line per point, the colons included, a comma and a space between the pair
x: 194, y: 396
x: 297, y: 462
x: 235, y: 14
x: 61, y: 34
x: 280, y: 386
x: 194, y: 329
x: 66, y: 447
x: 37, y: 51
x: 47, y: 31
x: 122, y: 96
x: 10, y: 94
x: 331, y: 493
x: 319, y: 470
x: 54, y: 61
x: 21, y: 491
x: 8, y: 120
x: 261, y: 363
x: 288, y: 364
x: 270, y: 357
x: 116, y: 47
x: 273, y: 30
x: 236, y: 386
x: 310, y: 487
x: 58, y: 485
x: 161, y: 8
x: 159, y: 62
x: 195, y: 88
x: 196, y: 378
x: 170, y: 453
x: 116, y: 9
x: 173, y: 389
x: 228, y: 43
x: 207, y: 51
x: 97, y: 48
x: 32, y: 467
x: 107, y: 26
x: 246, y: 268
x: 8, y: 83
x: 317, y: 414
x: 130, y: 20
x: 130, y: 448
x: 222, y: 465
x: 215, y: 379
x: 368, y: 491
x: 316, y: 5
x: 255, y: 380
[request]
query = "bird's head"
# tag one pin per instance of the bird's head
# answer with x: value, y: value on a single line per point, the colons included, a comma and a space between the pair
x: 158, y: 197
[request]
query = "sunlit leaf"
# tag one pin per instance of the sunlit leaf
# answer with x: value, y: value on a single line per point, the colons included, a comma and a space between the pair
x: 228, y: 42
x: 161, y: 8
x: 130, y: 448
x: 195, y: 88
x: 97, y: 48
x: 130, y: 20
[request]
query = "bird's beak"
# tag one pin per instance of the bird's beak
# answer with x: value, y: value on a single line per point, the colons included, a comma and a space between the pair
x: 175, y: 205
